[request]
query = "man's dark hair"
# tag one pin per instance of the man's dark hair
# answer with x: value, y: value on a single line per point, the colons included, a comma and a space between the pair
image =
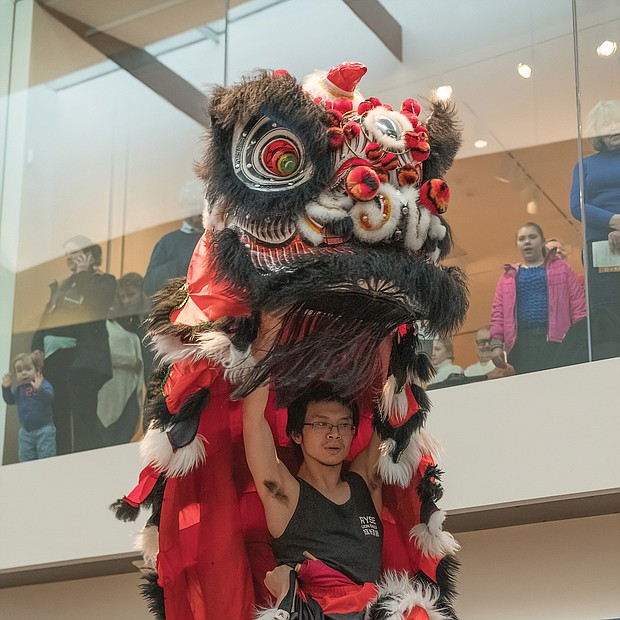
x: 319, y: 393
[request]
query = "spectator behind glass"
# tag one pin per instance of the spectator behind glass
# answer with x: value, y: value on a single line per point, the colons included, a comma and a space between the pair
x: 120, y: 398
x: 601, y: 201
x: 73, y: 340
x: 536, y: 301
x: 483, y: 346
x: 33, y: 396
x: 442, y: 358
x: 555, y: 244
x: 172, y: 253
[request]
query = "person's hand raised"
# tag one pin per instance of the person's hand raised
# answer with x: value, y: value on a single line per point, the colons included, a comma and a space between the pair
x: 6, y: 380
x: 37, y: 381
x: 82, y: 261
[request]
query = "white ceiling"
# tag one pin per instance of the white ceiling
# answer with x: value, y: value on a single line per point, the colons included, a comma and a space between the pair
x: 109, y: 145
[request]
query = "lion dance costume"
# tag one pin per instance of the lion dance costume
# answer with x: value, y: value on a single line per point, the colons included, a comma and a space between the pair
x: 328, y: 208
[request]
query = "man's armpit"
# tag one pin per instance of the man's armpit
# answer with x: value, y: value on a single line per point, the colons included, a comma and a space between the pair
x: 276, y: 490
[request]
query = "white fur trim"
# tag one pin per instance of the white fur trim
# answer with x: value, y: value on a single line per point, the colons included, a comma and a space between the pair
x: 329, y: 206
x: 389, y: 143
x: 272, y: 614
x: 308, y: 232
x: 187, y: 457
x: 393, y: 405
x: 156, y: 451
x: 421, y: 443
x: 417, y: 227
x: 217, y: 347
x: 169, y: 349
x: 147, y: 542
x: 372, y: 210
x: 313, y: 85
x: 436, y: 230
x: 401, y: 595
x: 431, y: 539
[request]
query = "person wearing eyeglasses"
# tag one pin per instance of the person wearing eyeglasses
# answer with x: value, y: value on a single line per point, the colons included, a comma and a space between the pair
x: 324, y: 523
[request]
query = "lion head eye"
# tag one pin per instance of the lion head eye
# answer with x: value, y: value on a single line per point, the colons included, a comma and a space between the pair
x: 388, y: 127
x: 269, y: 157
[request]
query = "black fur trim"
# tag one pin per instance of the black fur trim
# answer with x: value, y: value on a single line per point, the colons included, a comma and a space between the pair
x: 124, y: 511
x: 156, y: 412
x: 193, y: 405
x: 447, y: 570
x: 281, y: 99
x: 429, y: 487
x: 400, y: 434
x: 444, y: 138
x: 330, y: 338
x: 422, y: 398
x: 153, y: 594
x: 403, y: 352
x: 422, y: 367
x: 155, y: 498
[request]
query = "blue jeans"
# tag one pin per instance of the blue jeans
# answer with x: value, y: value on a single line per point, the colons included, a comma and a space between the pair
x: 37, y: 444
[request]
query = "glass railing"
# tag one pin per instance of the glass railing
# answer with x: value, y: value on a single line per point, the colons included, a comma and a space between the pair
x: 102, y: 209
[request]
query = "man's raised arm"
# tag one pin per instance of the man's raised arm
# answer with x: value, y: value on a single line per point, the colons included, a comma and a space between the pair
x: 271, y: 477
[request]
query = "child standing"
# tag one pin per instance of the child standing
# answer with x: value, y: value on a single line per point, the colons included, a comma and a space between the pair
x: 33, y: 396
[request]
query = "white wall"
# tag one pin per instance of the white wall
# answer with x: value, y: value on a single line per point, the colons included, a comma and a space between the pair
x: 511, y: 440
x: 563, y: 570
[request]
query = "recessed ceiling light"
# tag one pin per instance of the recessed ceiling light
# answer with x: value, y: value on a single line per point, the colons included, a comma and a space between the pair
x: 532, y: 207
x: 481, y: 144
x: 444, y: 92
x: 525, y: 71
x: 607, y: 48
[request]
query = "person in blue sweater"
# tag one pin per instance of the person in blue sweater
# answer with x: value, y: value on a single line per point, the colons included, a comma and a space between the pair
x: 33, y: 396
x: 172, y: 253
x: 601, y: 202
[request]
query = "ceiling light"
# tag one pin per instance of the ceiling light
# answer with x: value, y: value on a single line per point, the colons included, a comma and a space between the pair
x: 607, y: 48
x: 444, y: 92
x: 481, y: 144
x: 532, y: 207
x: 525, y: 71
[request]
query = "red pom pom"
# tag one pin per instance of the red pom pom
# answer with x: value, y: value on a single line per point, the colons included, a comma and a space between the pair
x: 335, y: 137
x: 367, y: 105
x: 410, y: 105
x: 343, y: 105
x: 410, y: 117
x: 421, y: 152
x: 374, y: 151
x: 334, y: 118
x: 362, y: 183
x: 411, y: 139
x: 351, y: 130
x: 435, y: 196
x: 421, y: 130
x: 408, y: 174
x: 389, y: 161
x: 280, y: 72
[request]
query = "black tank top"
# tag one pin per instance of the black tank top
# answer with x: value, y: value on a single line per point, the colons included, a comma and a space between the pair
x: 346, y: 537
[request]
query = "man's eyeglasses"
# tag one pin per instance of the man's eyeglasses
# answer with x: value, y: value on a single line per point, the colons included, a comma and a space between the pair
x: 344, y: 428
x: 483, y: 343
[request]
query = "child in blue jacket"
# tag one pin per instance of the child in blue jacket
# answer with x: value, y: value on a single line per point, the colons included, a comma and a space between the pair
x: 33, y: 396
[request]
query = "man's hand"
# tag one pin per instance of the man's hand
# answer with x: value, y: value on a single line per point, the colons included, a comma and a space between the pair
x: 614, y: 221
x: 497, y: 373
x: 499, y: 358
x: 37, y: 381
x: 277, y: 581
x: 82, y: 261
x: 6, y: 380
x: 614, y: 241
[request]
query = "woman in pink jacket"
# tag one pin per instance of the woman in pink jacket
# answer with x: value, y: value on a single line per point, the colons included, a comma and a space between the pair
x: 536, y: 301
